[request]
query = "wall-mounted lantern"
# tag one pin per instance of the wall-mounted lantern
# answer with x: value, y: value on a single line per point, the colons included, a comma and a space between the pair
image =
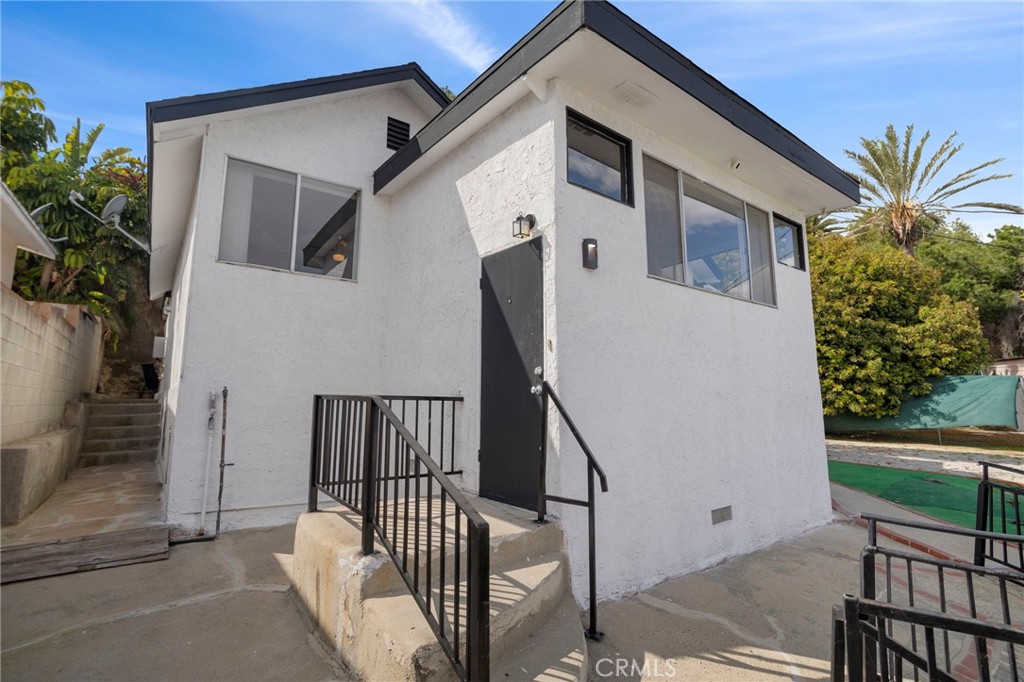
x: 523, y: 225
x: 590, y: 254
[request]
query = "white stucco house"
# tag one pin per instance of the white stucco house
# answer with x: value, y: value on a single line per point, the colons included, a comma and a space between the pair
x: 354, y: 235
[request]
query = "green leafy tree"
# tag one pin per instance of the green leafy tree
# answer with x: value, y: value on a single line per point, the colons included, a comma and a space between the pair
x: 988, y: 275
x: 902, y: 192
x: 882, y: 327
x: 94, y: 262
x: 24, y: 129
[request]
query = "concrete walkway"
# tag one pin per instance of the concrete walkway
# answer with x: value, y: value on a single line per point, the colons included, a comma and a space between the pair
x: 215, y: 611
x: 962, y: 461
x: 222, y: 611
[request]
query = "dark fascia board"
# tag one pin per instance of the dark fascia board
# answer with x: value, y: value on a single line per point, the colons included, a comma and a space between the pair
x: 614, y: 26
x: 552, y: 31
x: 230, y: 100
x: 633, y: 39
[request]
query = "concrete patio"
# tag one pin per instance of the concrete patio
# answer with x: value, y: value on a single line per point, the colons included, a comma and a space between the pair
x: 222, y: 610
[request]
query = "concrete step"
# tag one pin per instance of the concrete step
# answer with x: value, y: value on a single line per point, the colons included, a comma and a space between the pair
x: 107, y: 408
x: 140, y: 456
x: 99, y: 517
x: 109, y: 420
x: 372, y: 623
x: 402, y: 646
x: 105, y: 432
x: 91, y: 445
x: 556, y: 651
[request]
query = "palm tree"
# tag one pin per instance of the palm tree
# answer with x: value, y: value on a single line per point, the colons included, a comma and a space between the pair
x: 902, y: 198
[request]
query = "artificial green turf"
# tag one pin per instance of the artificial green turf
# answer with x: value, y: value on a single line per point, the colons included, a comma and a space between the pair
x: 949, y: 498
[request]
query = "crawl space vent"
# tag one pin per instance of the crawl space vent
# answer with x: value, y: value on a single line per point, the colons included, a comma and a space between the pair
x: 721, y: 515
x: 398, y: 133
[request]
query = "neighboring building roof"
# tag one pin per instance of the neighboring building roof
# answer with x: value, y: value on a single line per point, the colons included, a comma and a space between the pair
x: 611, y: 24
x: 20, y: 228
x: 245, y: 98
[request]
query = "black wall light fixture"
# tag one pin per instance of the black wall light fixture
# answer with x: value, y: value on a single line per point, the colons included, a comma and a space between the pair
x: 590, y: 254
x: 523, y: 225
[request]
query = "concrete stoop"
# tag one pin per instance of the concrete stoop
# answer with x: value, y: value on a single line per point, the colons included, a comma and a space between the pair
x: 369, y: 620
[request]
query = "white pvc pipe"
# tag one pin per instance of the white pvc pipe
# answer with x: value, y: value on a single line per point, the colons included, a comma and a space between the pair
x: 211, y: 428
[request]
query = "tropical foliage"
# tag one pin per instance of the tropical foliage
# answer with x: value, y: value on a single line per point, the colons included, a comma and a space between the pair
x: 94, y: 261
x: 906, y: 194
x: 883, y: 328
x: 989, y: 275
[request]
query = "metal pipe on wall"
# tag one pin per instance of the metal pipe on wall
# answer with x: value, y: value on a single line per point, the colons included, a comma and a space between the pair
x: 202, y: 537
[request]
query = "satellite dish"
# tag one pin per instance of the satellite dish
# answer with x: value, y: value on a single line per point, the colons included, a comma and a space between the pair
x: 113, y: 210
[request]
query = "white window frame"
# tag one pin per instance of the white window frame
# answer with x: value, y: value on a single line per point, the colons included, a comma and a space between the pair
x: 295, y: 221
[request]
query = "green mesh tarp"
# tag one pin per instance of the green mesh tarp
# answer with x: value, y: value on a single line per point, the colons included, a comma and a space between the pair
x: 954, y: 401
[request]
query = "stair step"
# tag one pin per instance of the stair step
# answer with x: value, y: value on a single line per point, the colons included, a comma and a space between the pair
x: 374, y: 625
x: 99, y: 517
x: 106, y: 408
x: 106, y: 432
x: 554, y: 652
x: 141, y: 456
x: 521, y: 599
x: 99, y: 445
x: 110, y: 420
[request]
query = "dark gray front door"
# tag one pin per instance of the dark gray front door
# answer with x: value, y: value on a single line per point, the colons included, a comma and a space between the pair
x: 512, y: 338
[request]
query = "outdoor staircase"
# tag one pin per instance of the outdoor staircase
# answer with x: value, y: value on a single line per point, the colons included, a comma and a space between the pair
x: 368, y: 617
x: 108, y: 512
x: 121, y: 432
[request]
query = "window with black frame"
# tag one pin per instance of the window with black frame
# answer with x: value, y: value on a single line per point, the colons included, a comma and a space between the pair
x: 598, y: 158
x: 789, y: 243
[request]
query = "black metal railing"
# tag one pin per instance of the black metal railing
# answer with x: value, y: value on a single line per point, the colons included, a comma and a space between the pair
x: 366, y: 457
x: 876, y: 653
x: 593, y: 468
x: 999, y: 512
x: 924, y: 598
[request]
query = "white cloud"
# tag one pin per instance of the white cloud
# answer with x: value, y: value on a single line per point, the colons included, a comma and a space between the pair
x: 440, y: 24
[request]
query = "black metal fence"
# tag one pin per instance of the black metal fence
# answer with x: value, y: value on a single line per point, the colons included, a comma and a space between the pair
x: 999, y: 512
x: 365, y: 456
x: 923, y: 617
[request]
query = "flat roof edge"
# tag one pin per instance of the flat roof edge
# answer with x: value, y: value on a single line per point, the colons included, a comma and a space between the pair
x: 623, y: 32
x: 620, y: 30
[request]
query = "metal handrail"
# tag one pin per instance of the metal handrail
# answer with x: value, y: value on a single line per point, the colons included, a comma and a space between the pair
x: 366, y: 457
x: 579, y: 437
x: 593, y: 467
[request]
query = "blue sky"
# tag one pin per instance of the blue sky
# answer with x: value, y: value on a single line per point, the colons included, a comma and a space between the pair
x: 830, y: 72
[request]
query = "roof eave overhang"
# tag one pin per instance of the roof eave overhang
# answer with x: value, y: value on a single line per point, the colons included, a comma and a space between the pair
x: 614, y: 26
x: 23, y: 228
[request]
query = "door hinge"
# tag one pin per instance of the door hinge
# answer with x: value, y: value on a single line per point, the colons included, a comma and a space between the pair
x: 481, y: 284
x: 478, y: 455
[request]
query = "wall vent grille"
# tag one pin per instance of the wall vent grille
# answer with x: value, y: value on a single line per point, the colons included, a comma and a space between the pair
x: 398, y: 133
x: 721, y: 515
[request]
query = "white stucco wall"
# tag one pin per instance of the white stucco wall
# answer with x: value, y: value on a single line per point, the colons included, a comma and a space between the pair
x: 459, y: 210
x: 275, y: 338
x: 690, y: 400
